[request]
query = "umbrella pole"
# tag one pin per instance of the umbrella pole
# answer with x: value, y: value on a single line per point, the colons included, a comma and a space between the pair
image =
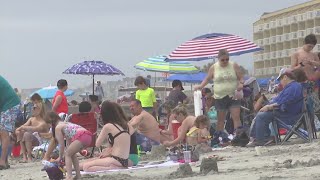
x: 93, y: 84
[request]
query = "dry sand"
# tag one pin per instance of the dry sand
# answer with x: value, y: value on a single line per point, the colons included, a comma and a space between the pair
x: 297, y: 161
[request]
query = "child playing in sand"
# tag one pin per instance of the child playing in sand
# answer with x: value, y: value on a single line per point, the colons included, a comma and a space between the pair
x: 198, y: 133
x: 77, y: 138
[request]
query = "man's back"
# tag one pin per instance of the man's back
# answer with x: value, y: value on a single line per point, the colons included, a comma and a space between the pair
x: 149, y: 126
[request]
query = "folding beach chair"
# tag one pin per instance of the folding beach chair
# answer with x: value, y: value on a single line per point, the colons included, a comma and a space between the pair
x: 89, y: 122
x: 296, y: 128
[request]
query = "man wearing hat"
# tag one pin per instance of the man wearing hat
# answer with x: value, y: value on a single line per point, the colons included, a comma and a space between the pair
x: 176, y: 95
x: 287, y: 106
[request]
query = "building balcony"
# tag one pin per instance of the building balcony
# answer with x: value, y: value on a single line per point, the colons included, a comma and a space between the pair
x: 286, y: 21
x: 266, y: 56
x: 273, y: 40
x: 301, y: 34
x: 279, y: 54
x: 316, y: 13
x: 294, y: 35
x: 317, y: 48
x: 266, y: 26
x: 293, y: 19
x: 279, y: 38
x: 317, y: 30
x: 286, y: 53
x: 272, y: 70
x: 266, y: 41
x: 273, y: 24
x: 279, y: 22
x: 273, y: 55
x: 286, y: 37
x: 309, y: 31
x: 310, y: 15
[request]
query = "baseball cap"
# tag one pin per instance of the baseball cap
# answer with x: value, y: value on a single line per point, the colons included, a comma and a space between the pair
x: 176, y: 83
x: 284, y: 71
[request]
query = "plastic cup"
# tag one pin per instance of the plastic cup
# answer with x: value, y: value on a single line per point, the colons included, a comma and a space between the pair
x: 187, y: 156
x: 258, y: 150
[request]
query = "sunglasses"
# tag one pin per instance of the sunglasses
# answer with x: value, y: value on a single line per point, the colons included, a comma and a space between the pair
x: 224, y: 60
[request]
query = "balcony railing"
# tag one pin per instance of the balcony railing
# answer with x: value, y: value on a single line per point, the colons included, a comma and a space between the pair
x: 279, y: 38
x: 266, y: 41
x: 294, y: 35
x: 273, y: 39
x: 309, y: 31
x: 317, y: 30
x: 301, y: 34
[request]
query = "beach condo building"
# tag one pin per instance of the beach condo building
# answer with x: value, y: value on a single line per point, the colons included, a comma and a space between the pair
x: 280, y: 33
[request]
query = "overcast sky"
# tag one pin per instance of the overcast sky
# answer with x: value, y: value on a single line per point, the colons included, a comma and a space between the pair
x: 39, y: 39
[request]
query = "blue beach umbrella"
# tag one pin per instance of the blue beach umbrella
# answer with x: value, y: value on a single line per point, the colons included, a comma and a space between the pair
x: 189, y: 78
x: 50, y: 91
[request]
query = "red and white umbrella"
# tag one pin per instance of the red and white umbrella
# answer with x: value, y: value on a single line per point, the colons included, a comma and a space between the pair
x: 207, y: 47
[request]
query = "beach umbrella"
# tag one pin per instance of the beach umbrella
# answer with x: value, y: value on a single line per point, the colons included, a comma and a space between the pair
x: 158, y: 64
x: 207, y: 47
x: 50, y: 91
x: 93, y: 68
x: 189, y: 78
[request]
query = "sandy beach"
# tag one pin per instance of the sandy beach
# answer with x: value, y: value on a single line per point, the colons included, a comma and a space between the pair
x: 296, y: 161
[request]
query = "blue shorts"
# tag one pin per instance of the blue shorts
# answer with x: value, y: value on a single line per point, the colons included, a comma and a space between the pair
x: 145, y: 142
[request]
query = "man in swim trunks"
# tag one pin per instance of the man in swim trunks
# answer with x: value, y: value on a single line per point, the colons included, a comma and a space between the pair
x: 147, y: 127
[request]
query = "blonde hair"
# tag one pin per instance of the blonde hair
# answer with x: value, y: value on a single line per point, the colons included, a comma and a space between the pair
x: 180, y: 109
x: 223, y: 52
x: 202, y: 119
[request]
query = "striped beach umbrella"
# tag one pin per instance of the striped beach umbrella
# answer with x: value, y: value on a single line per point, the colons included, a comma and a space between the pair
x: 207, y: 47
x: 158, y: 64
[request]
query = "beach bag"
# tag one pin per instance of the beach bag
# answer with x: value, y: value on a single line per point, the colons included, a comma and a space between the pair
x: 241, y: 138
x: 54, y: 170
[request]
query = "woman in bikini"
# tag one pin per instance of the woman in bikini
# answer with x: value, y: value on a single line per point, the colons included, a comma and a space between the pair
x: 77, y: 138
x: 118, y: 133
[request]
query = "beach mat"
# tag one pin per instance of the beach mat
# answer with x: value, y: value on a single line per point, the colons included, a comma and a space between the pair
x: 142, y: 165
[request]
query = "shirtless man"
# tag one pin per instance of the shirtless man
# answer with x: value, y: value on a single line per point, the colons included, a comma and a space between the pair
x: 35, y: 124
x: 306, y: 59
x: 147, y: 127
x: 181, y: 115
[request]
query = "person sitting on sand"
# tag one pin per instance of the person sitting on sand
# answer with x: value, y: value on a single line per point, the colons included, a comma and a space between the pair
x: 133, y: 156
x: 35, y: 124
x: 117, y: 132
x: 76, y: 137
x: 147, y: 127
x: 181, y: 115
x: 198, y: 134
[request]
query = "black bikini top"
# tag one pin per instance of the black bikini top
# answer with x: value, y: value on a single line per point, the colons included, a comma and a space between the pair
x: 112, y: 138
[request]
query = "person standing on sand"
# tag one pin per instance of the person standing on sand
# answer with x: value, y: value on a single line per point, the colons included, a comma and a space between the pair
x: 146, y: 96
x: 9, y: 108
x: 307, y: 60
x: 60, y: 103
x: 99, y: 91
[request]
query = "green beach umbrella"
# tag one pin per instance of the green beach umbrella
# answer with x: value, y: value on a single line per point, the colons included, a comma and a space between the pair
x: 158, y: 64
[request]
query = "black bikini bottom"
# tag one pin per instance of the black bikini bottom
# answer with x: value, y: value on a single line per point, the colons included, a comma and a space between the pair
x: 123, y: 162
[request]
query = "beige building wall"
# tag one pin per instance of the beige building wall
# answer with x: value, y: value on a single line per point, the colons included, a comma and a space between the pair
x: 280, y: 33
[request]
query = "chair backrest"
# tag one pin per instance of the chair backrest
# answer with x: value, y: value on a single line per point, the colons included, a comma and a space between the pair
x: 86, y: 120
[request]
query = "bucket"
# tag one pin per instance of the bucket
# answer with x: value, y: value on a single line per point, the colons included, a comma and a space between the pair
x: 175, y: 127
x: 16, y: 150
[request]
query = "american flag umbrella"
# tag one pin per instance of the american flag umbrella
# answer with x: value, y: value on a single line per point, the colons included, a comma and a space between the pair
x: 93, y: 68
x: 207, y: 47
x: 158, y: 64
